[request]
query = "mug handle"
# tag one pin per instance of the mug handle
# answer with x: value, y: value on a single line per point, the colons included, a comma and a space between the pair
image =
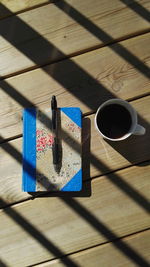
x: 139, y: 130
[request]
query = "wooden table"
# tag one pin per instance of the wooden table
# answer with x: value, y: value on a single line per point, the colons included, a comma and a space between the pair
x: 84, y: 52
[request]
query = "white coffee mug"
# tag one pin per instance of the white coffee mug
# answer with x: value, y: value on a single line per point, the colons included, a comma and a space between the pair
x: 135, y: 128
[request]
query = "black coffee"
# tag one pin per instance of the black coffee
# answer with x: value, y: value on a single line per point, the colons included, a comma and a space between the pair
x: 114, y: 121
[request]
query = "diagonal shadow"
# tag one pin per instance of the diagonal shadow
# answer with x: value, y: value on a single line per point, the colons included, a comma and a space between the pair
x: 32, y: 231
x: 106, y: 232
x: 73, y: 85
x: 5, y: 14
x: 99, y: 165
x: 30, y: 169
x: 129, y: 148
x: 114, y: 178
x: 103, y: 36
x: 139, y: 9
x: 86, y: 215
x: 9, y: 89
x: 99, y: 226
x: 49, y: 52
x: 28, y: 52
x: 78, y: 75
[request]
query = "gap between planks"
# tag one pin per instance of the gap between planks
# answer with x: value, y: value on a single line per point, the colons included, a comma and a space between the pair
x: 91, y: 178
x: 134, y: 229
x: 77, y: 53
x: 10, y: 13
x: 133, y: 235
x: 66, y: 47
x: 44, y: 194
x: 131, y: 79
x: 128, y: 99
x: 86, y: 114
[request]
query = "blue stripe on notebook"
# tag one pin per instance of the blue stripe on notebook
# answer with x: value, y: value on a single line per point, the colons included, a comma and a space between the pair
x: 29, y: 150
x: 74, y: 114
x: 75, y: 184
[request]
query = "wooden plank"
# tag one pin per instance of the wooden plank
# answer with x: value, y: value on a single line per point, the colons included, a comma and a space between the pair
x: 104, y: 255
x: 91, y: 79
x: 33, y: 42
x: 44, y: 228
x: 10, y: 7
x: 105, y: 157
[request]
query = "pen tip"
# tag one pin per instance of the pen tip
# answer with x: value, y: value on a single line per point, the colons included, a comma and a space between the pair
x: 56, y: 167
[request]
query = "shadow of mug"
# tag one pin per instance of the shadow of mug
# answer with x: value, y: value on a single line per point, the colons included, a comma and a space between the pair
x: 135, y: 149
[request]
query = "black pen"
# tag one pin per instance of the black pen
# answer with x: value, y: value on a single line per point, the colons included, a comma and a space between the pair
x: 55, y: 146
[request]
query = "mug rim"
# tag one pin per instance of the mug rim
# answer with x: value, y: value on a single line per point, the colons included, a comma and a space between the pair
x: 133, y: 114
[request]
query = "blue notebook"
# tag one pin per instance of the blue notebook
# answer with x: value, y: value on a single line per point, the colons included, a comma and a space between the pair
x: 38, y: 171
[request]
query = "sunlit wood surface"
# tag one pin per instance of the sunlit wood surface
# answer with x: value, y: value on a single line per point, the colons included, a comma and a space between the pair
x: 84, y: 52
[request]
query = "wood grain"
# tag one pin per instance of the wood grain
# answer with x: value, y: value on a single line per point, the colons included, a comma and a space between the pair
x: 37, y: 227
x: 46, y: 228
x: 105, y: 157
x: 104, y: 255
x: 89, y: 80
x: 23, y: 36
x: 10, y: 7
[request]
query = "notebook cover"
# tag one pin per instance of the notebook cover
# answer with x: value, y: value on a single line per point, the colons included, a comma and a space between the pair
x: 38, y: 170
